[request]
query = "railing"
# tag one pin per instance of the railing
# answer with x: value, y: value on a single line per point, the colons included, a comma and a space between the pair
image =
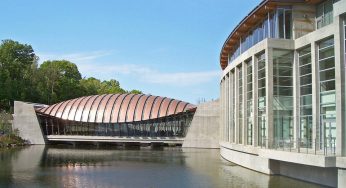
x: 317, y: 147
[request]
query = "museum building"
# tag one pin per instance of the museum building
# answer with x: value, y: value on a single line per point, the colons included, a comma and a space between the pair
x: 283, y: 90
x: 127, y: 115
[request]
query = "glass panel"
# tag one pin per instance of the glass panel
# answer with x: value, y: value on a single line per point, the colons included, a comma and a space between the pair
x: 283, y: 94
x: 327, y: 90
x: 261, y: 124
x: 249, y: 101
x: 305, y: 80
x: 288, y: 24
x: 240, y: 110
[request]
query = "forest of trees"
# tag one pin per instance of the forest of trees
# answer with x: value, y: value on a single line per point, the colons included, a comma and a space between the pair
x: 53, y: 81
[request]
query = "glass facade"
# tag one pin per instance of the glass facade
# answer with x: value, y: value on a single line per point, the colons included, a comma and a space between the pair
x: 324, y: 14
x: 241, y: 107
x: 175, y: 126
x: 283, y: 94
x: 326, y: 62
x: 305, y: 83
x: 249, y: 101
x: 261, y: 95
x: 277, y: 24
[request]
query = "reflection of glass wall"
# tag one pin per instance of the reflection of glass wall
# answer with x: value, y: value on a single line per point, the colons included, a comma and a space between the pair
x: 261, y: 74
x: 240, y: 109
x: 305, y: 80
x: 324, y: 14
x: 249, y: 101
x: 326, y: 64
x: 283, y: 94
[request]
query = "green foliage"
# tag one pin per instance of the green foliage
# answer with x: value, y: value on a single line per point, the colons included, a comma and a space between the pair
x: 59, y: 81
x: 18, y: 63
x: 52, y: 82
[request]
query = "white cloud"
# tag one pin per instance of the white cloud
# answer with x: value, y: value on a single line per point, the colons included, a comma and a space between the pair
x: 74, y: 57
x: 88, y: 65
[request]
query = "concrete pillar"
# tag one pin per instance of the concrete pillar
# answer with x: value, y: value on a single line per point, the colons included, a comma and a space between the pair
x: 341, y: 177
x: 227, y: 107
x: 236, y: 101
x: 221, y: 111
x: 230, y: 114
x: 315, y: 95
x: 296, y: 98
x: 269, y: 96
x: 339, y: 86
x: 255, y: 100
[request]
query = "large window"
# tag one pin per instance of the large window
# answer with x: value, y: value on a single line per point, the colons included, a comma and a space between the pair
x: 326, y: 64
x: 324, y: 14
x: 233, y: 106
x: 240, y: 109
x: 249, y: 101
x: 283, y: 94
x: 261, y: 93
x: 284, y: 23
x: 305, y: 80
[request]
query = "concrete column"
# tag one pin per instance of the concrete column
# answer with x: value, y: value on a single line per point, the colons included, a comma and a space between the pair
x: 227, y: 107
x: 344, y: 85
x: 339, y: 86
x: 230, y: 107
x: 221, y: 111
x: 269, y: 96
x: 341, y: 177
x: 236, y: 101
x: 315, y: 95
x: 296, y: 98
x: 255, y: 101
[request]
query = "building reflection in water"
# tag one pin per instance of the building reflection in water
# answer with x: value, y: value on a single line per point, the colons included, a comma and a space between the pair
x: 38, y: 166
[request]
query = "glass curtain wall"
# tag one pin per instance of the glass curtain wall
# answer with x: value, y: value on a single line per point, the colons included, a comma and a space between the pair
x: 326, y: 64
x: 240, y: 109
x: 305, y: 81
x: 175, y: 126
x: 231, y: 113
x: 324, y: 14
x: 261, y: 85
x: 249, y: 101
x: 283, y: 94
x: 277, y: 24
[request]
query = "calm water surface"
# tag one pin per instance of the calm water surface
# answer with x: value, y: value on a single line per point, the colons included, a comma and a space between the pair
x: 39, y: 166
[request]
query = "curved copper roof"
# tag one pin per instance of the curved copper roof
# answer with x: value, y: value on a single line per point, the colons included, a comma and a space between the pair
x: 116, y: 108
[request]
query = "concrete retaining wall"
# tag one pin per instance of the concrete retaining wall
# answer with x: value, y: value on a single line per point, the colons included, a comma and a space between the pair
x: 204, y: 128
x: 25, y: 120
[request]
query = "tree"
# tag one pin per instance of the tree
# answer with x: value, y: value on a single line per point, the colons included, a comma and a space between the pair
x: 59, y: 81
x: 17, y: 64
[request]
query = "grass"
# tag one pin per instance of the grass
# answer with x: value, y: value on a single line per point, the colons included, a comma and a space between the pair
x: 11, y: 140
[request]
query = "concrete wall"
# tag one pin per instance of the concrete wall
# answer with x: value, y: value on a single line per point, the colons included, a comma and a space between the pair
x: 25, y: 120
x: 204, y: 128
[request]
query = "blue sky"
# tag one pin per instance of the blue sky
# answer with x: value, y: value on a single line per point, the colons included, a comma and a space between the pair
x: 168, y: 48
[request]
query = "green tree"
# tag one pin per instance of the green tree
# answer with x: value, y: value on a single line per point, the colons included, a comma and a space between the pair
x: 59, y: 81
x: 90, y: 86
x: 18, y: 63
